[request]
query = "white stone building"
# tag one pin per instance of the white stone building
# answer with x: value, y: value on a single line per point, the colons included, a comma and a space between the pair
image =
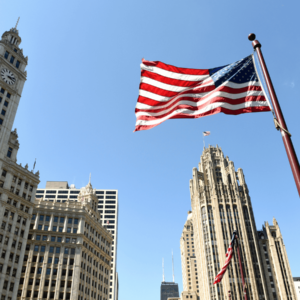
x: 107, y: 206
x: 297, y: 286
x: 17, y: 183
x: 188, y: 257
x: 68, y: 251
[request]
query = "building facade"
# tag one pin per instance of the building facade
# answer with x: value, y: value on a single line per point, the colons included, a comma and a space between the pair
x: 221, y: 204
x: 297, y: 286
x: 275, y: 261
x: 168, y: 290
x: 107, y: 206
x: 17, y: 184
x: 188, y: 257
x: 68, y: 253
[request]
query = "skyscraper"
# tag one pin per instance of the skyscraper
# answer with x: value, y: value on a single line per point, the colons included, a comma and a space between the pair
x: 17, y: 183
x: 68, y: 252
x: 188, y: 257
x: 107, y: 206
x: 168, y: 290
x: 221, y: 204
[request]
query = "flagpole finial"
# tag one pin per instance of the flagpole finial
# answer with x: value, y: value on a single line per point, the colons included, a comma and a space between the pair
x: 251, y: 37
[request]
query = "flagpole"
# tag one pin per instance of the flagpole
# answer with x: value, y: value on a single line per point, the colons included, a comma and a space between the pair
x: 279, y: 121
x: 241, y: 269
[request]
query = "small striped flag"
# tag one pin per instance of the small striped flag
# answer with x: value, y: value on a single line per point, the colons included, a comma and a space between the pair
x: 206, y: 133
x: 167, y: 92
x: 229, y: 255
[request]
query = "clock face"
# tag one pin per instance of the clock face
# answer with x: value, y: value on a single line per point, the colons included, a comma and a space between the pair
x: 8, y: 76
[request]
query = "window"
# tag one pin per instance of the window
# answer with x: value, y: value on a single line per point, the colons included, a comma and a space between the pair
x: 41, y: 259
x: 67, y: 240
x: 47, y: 281
x: 53, y: 283
x: 57, y: 250
x: 17, y: 64
x: 6, y: 54
x: 74, y: 241
x: 31, y: 188
x: 54, y: 271
x: 72, y: 251
x: 3, y: 112
x: 52, y: 238
x: 38, y: 237
x: 65, y: 261
x: 41, y: 217
x: 56, y: 260
x: 43, y: 248
x: 17, y: 192
x: 66, y: 250
x: 46, y: 227
x: 69, y: 229
x: 4, y: 172
x: 36, y: 248
x: 2, y: 90
x: 40, y: 227
x: 60, y: 229
x: 9, y: 152
x: 48, y: 271
x: 39, y: 271
x: 62, y: 219
x: 75, y: 221
x: 74, y: 230
x: 12, y: 59
x: 54, y: 228
x: 55, y: 219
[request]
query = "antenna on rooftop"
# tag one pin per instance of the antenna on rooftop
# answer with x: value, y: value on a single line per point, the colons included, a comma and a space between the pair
x: 173, y: 266
x: 163, y: 270
x: 17, y: 23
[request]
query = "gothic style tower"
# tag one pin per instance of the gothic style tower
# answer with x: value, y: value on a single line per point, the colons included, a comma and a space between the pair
x: 17, y: 183
x: 221, y: 204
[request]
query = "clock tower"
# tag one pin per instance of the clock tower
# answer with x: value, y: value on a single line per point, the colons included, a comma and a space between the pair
x: 12, y: 79
x: 17, y: 183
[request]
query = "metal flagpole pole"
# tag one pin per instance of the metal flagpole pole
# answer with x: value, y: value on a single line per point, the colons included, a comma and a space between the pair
x: 241, y: 269
x: 279, y: 122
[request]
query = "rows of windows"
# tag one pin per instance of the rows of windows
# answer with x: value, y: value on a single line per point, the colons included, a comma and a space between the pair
x: 11, y: 59
x: 6, y: 102
x: 16, y: 184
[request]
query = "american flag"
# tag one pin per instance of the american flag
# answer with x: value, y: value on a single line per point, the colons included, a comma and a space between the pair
x: 229, y: 255
x: 107, y: 222
x: 206, y: 133
x: 167, y: 92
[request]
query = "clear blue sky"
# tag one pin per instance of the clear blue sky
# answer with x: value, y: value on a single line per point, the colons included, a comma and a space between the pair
x: 76, y: 114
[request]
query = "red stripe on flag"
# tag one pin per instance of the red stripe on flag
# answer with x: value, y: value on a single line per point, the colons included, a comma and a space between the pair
x: 174, y: 69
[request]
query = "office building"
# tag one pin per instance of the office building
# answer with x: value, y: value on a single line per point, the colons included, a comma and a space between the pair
x: 297, y: 286
x: 278, y: 275
x: 188, y: 257
x: 107, y: 206
x: 17, y: 183
x: 68, y: 252
x: 221, y: 204
x: 168, y: 290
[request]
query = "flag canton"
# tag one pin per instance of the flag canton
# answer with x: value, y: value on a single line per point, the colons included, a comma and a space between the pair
x: 241, y: 71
